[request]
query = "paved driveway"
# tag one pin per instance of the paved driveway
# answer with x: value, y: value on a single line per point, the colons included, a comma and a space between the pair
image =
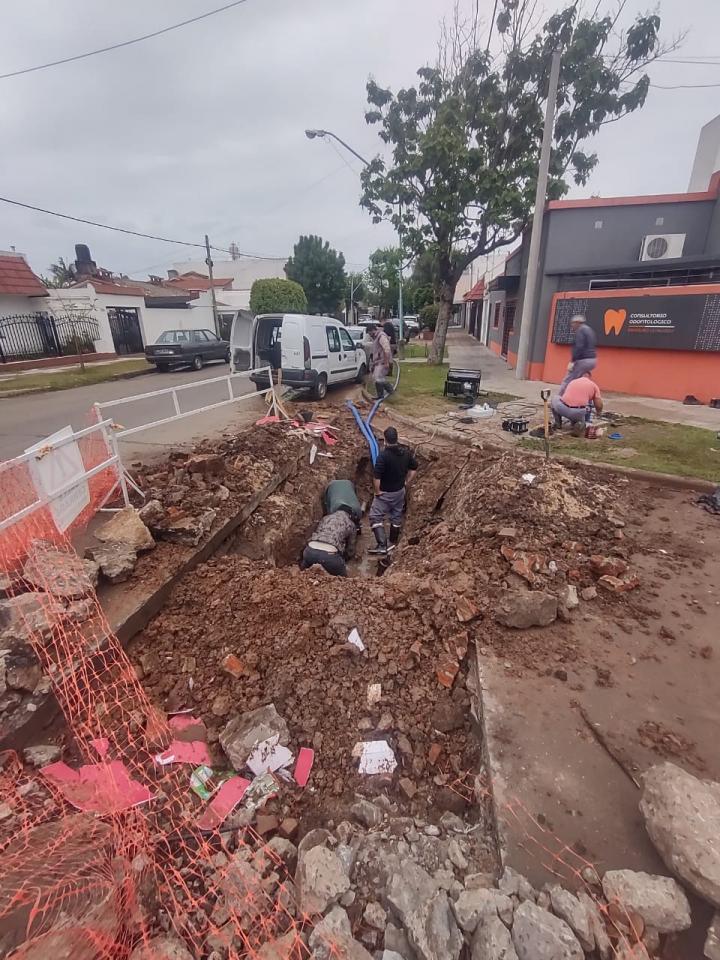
x: 25, y: 420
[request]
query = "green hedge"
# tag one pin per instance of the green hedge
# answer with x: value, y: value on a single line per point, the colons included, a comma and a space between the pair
x: 277, y: 296
x: 429, y: 316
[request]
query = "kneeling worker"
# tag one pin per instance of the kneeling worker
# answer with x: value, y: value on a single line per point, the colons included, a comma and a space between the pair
x: 573, y: 403
x: 333, y: 541
x: 394, y: 471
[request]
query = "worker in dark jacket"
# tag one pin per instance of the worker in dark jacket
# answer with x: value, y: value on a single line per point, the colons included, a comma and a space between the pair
x: 584, y: 351
x: 395, y: 469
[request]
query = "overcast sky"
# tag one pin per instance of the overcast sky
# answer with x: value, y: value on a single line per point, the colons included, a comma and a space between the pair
x: 201, y: 130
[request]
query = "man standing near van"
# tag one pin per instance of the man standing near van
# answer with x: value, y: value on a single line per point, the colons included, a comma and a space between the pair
x: 381, y: 361
x: 395, y: 469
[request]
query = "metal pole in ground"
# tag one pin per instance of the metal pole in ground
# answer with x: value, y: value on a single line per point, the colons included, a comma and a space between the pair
x: 208, y: 261
x: 540, y: 194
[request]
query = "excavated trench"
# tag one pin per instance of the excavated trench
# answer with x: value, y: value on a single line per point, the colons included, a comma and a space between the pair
x: 289, y: 628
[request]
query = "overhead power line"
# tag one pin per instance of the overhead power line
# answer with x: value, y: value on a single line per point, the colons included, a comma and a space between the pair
x: 684, y: 86
x: 123, y: 43
x: 132, y: 233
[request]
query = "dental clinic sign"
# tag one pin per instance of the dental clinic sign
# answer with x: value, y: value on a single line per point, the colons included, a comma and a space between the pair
x: 656, y: 321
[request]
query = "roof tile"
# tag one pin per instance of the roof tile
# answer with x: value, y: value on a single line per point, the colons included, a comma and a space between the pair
x: 17, y: 278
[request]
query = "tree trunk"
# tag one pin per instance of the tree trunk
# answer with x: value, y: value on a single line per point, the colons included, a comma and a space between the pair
x: 447, y: 294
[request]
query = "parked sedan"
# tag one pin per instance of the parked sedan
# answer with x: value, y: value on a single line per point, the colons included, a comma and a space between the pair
x: 187, y: 348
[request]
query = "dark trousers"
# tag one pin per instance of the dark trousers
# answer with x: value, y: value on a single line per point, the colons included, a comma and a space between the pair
x: 332, y: 562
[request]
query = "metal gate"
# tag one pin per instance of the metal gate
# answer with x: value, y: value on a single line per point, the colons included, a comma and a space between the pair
x: 508, y: 326
x: 33, y: 336
x: 125, y: 329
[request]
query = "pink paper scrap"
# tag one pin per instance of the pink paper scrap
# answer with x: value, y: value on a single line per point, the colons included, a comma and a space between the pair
x: 305, y: 759
x: 196, y: 753
x: 101, y: 788
x: 223, y: 803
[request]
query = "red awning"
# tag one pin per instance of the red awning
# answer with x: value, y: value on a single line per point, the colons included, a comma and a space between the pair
x: 477, y: 292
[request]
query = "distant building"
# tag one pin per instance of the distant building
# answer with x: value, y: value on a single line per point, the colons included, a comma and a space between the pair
x: 707, y: 157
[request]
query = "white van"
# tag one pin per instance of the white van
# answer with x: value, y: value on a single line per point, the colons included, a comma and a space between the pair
x: 312, y: 352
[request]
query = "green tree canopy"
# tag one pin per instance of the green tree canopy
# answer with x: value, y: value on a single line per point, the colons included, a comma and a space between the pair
x: 277, y: 296
x: 460, y: 174
x: 383, y: 278
x: 320, y: 271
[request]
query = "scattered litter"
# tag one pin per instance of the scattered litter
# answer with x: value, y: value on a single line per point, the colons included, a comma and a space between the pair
x: 711, y: 501
x: 481, y: 413
x: 662, y: 551
x: 528, y: 478
x: 330, y: 456
x: 376, y: 756
x: 223, y: 803
x: 103, y: 788
x: 269, y: 755
x: 313, y: 453
x: 205, y: 782
x: 180, y: 751
x: 101, y: 745
x: 305, y: 759
x: 374, y: 693
x: 354, y: 639
x: 615, y: 436
x: 260, y: 790
x: 553, y: 567
x: 263, y: 421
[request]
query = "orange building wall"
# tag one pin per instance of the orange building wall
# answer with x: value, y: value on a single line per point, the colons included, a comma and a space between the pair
x: 666, y: 374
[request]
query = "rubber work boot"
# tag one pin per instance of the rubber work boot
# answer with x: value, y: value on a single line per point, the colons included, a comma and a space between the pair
x: 395, y: 532
x: 381, y: 538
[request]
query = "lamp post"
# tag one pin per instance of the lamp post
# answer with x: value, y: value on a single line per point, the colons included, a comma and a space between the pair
x: 311, y: 135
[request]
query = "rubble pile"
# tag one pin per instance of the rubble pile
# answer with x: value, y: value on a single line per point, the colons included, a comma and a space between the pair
x: 287, y: 633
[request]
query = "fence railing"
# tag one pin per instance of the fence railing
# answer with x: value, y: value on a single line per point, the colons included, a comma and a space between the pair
x: 172, y: 395
x: 33, y: 336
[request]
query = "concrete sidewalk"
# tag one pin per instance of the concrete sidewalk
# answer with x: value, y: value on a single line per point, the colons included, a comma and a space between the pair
x: 464, y: 351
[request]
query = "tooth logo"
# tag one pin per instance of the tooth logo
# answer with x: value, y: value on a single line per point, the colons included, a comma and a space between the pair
x: 614, y: 321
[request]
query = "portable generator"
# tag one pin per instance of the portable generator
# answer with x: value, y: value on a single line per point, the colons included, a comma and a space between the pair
x: 462, y: 383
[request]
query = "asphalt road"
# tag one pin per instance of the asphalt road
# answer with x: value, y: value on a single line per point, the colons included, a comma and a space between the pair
x: 25, y: 420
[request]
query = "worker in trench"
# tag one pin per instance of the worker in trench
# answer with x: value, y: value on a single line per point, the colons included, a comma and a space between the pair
x: 333, y: 540
x: 395, y: 469
x: 381, y: 361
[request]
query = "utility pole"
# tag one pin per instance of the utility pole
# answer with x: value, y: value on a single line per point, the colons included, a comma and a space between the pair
x: 208, y: 261
x: 528, y: 306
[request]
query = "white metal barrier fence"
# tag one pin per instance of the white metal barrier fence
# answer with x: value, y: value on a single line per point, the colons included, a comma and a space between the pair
x: 172, y: 392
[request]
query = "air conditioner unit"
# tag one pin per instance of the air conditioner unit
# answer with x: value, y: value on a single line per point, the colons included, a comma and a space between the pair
x: 662, y: 246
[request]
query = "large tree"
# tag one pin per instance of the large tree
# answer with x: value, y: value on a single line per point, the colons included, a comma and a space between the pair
x: 320, y: 271
x: 383, y: 278
x: 460, y: 177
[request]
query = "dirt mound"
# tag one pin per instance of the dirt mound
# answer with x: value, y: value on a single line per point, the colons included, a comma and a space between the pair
x: 289, y: 630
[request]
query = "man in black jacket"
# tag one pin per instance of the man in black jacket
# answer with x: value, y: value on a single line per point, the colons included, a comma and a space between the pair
x: 395, y: 469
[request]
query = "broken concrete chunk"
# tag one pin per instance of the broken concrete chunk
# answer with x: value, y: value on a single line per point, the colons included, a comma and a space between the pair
x: 242, y: 734
x: 126, y: 527
x: 569, y: 596
x: 117, y: 560
x: 603, y: 946
x: 186, y: 530
x: 285, y: 850
x: 574, y: 913
x: 530, y: 608
x: 514, y: 884
x: 660, y: 901
x: 206, y: 464
x: 448, y: 715
x: 682, y: 817
x: 41, y: 754
x: 425, y: 913
x: 279, y: 948
x: 151, y: 513
x: 538, y: 935
x: 322, y: 878
x: 332, y: 939
x: 588, y: 593
x: 374, y: 916
x: 712, y: 941
x: 492, y: 941
x: 472, y: 905
x: 163, y: 947
x: 61, y: 573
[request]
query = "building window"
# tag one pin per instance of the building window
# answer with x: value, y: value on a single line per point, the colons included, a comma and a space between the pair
x: 496, y: 316
x: 598, y: 224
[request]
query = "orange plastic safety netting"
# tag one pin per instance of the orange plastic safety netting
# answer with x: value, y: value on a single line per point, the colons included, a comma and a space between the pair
x: 95, y: 864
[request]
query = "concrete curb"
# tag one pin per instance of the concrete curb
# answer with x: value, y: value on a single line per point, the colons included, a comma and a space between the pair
x: 646, y: 476
x: 131, y: 375
x: 47, y: 708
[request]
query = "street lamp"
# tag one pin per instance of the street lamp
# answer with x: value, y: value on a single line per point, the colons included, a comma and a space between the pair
x: 311, y: 135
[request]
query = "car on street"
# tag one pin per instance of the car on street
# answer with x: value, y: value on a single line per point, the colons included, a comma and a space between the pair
x: 361, y: 336
x: 187, y: 348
